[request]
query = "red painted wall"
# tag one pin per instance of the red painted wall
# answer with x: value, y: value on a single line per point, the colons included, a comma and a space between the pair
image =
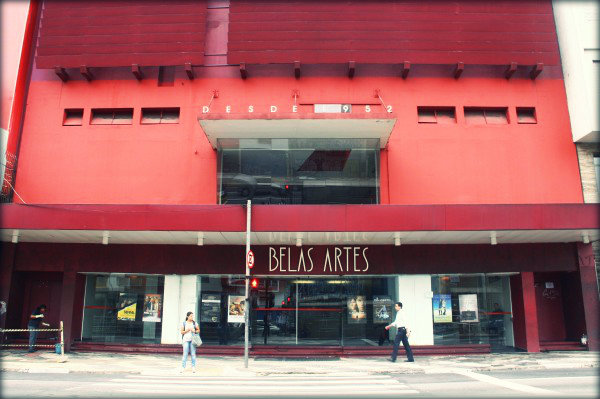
x: 175, y: 164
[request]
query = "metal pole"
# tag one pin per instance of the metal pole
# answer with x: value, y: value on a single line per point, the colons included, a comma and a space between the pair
x: 296, y: 313
x: 247, y: 302
x: 62, y: 340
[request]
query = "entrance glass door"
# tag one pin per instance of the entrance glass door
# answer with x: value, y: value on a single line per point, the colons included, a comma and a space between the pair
x: 320, y: 309
x: 328, y: 311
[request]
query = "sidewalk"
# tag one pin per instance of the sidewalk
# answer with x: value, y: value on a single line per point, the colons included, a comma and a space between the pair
x: 147, y: 364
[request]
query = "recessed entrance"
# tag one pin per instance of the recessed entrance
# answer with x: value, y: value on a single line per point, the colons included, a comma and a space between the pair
x: 322, y: 311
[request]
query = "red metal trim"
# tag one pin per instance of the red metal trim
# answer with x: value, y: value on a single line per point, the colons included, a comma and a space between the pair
x: 300, y: 309
x: 283, y: 218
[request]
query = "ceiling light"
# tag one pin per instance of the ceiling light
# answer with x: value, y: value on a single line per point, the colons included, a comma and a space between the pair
x: 586, y: 238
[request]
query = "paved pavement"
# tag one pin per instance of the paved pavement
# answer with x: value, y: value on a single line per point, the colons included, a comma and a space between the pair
x: 164, y: 365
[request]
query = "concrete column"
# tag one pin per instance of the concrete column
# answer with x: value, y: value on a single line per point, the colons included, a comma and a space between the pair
x: 525, y: 321
x: 7, y: 260
x: 414, y: 291
x: 589, y: 293
x: 180, y: 296
x: 67, y: 302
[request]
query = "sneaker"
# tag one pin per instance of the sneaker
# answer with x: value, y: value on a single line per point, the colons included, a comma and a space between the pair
x: 391, y: 360
x: 193, y: 369
x: 181, y: 370
x: 409, y: 361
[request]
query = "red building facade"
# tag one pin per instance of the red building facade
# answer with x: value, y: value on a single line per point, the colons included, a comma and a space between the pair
x: 391, y: 150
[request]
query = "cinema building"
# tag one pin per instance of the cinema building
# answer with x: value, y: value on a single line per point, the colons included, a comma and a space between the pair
x: 392, y: 151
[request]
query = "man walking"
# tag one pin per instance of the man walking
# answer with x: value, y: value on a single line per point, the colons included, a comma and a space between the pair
x: 401, y: 335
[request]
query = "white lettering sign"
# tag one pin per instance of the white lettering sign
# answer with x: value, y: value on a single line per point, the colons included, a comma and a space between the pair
x: 342, y: 260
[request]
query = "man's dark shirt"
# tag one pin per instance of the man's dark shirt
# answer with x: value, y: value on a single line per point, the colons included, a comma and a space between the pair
x: 35, y: 323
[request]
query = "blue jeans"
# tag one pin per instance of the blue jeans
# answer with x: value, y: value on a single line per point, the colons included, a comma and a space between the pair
x: 32, y: 337
x: 188, y: 348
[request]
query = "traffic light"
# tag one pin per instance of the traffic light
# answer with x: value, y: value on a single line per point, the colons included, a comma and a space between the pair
x: 254, y: 283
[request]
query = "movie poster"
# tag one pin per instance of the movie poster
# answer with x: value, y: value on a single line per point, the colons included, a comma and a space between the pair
x: 236, y: 309
x: 357, y: 309
x: 211, y: 308
x: 442, y: 308
x: 152, y: 308
x: 467, y: 304
x: 127, y: 306
x: 382, y: 309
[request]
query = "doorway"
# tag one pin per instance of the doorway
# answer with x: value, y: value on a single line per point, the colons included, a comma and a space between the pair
x: 322, y: 311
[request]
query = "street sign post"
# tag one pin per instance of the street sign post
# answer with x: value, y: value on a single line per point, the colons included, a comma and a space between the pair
x: 247, y: 303
x: 250, y: 259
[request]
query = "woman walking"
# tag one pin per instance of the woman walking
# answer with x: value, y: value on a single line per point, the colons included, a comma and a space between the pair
x: 188, y: 328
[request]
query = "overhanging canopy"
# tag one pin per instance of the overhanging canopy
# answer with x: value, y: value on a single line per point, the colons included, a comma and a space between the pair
x: 294, y: 125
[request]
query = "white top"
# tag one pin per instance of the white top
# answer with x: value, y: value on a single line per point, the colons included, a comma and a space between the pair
x: 400, y: 320
x: 188, y: 335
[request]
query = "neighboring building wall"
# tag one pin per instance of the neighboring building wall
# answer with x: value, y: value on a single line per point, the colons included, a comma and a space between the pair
x: 589, y: 180
x: 577, y: 27
x: 577, y: 30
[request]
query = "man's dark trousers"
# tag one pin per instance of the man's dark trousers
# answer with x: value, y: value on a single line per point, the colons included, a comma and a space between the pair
x: 32, y: 337
x: 401, y: 336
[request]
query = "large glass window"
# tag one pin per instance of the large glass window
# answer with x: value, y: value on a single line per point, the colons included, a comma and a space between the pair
x: 123, y: 308
x: 471, y: 309
x: 299, y: 311
x: 298, y: 171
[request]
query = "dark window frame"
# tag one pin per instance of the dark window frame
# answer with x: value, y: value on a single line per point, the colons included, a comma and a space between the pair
x: 437, y: 112
x: 112, y: 113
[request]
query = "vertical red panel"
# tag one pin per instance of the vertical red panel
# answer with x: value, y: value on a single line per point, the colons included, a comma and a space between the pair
x: 525, y: 322
x: 78, y: 307
x: 66, y: 305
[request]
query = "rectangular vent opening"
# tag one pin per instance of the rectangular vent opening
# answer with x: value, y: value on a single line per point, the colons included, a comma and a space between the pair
x: 112, y: 116
x: 160, y: 115
x: 486, y: 116
x: 73, y: 117
x: 526, y: 115
x: 439, y: 115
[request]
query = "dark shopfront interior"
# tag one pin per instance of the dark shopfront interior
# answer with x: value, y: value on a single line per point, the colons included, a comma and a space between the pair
x: 303, y: 311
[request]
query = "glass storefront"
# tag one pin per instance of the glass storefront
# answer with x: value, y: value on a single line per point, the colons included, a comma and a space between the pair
x: 123, y: 308
x: 298, y: 171
x: 328, y: 311
x: 471, y: 309
x: 298, y: 311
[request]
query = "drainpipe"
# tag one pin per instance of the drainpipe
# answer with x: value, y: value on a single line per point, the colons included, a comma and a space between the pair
x: 17, y: 112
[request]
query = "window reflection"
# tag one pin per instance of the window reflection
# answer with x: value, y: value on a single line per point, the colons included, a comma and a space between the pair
x: 298, y: 171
